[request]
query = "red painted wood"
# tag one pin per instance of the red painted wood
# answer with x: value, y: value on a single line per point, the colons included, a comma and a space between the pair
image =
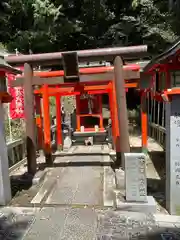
x: 91, y: 70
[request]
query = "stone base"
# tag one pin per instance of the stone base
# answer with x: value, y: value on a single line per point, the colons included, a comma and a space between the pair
x: 147, y: 207
x: 67, y: 143
x: 122, y: 204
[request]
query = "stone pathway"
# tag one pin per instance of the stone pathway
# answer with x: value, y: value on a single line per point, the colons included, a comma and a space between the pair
x: 81, y: 182
x: 73, y: 203
x: 67, y: 223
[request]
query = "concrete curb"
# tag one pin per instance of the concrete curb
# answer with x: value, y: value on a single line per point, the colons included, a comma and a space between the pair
x: 63, y: 154
x: 163, y: 218
x: 39, y: 177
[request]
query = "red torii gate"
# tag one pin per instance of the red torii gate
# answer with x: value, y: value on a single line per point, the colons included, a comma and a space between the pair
x: 117, y: 88
x: 92, y: 88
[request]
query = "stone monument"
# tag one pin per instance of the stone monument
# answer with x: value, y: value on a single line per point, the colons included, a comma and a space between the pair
x: 135, y: 175
x: 135, y: 185
x: 173, y: 155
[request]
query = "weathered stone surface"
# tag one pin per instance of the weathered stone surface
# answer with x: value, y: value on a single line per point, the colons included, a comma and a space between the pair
x: 109, y: 185
x: 80, y: 184
x: 64, y: 223
x: 173, y: 156
x: 135, y: 175
x: 141, y: 207
x: 126, y: 225
x: 5, y: 189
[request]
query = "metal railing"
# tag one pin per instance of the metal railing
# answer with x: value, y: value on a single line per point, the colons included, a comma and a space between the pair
x: 16, y: 151
x: 156, y: 124
x: 17, y: 148
x: 158, y: 133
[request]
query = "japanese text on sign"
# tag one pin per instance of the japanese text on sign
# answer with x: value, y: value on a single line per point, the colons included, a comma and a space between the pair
x: 142, y: 183
x: 177, y: 119
x: 17, y: 104
x: 177, y: 172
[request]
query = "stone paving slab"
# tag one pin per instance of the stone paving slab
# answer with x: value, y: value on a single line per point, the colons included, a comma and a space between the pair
x: 64, y: 224
x: 80, y: 184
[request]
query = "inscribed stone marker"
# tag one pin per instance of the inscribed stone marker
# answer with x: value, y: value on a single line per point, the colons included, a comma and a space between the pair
x: 135, y: 175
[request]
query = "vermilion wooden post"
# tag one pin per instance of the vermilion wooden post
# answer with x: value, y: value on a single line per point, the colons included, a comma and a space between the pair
x: 114, y: 118
x: 144, y: 122
x: 39, y: 122
x: 47, y: 126
x: 117, y: 129
x: 78, y: 112
x: 101, y: 115
x: 112, y: 114
x: 58, y: 122
x: 30, y: 120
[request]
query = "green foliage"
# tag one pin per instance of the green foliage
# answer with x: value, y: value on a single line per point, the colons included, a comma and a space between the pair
x: 14, y: 129
x: 55, y: 25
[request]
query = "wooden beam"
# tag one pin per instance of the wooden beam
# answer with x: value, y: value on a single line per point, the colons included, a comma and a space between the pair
x: 127, y: 74
x: 38, y: 81
x: 52, y: 90
x: 106, y: 54
x: 68, y: 91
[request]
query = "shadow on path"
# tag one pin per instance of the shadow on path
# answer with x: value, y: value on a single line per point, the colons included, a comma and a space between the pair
x: 20, y: 183
x: 14, y: 227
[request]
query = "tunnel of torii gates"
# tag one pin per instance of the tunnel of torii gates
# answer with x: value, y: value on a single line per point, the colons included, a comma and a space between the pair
x: 94, y: 81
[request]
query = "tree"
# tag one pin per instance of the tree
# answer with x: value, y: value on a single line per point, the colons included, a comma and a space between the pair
x: 56, y: 25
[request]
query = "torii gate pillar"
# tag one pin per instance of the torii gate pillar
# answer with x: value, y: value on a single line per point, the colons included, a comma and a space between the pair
x: 30, y: 120
x: 121, y: 108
